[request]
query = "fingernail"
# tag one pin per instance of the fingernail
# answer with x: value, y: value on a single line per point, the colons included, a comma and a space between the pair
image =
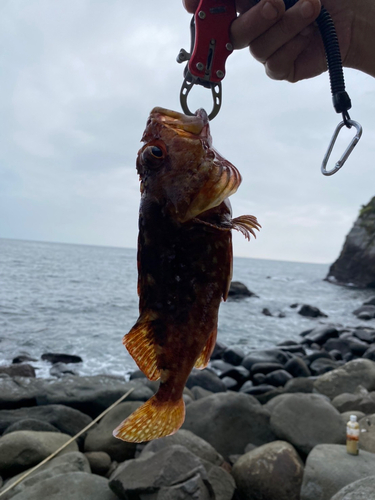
x: 269, y: 11
x: 307, y: 10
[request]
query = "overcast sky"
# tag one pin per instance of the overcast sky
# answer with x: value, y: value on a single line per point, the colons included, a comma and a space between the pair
x: 77, y: 81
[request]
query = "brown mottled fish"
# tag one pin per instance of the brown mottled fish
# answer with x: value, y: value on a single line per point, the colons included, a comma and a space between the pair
x: 184, y: 262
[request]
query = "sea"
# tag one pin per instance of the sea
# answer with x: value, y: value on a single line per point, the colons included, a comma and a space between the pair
x: 81, y: 299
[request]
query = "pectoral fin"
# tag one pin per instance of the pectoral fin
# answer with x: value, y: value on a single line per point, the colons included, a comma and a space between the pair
x: 205, y: 355
x: 142, y: 347
x: 246, y: 225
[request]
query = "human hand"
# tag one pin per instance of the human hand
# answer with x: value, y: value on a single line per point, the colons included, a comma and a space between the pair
x: 288, y: 43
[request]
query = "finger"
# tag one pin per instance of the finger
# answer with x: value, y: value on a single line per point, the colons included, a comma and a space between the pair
x: 291, y: 24
x: 255, y: 21
x: 191, y: 5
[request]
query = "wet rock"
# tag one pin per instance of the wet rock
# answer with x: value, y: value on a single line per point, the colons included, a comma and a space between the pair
x: 329, y: 468
x: 299, y: 384
x: 222, y: 483
x: 266, y: 311
x: 100, y: 462
x: 61, y: 369
x: 297, y: 367
x: 199, y: 392
x: 238, y: 290
x: 320, y: 335
x: 257, y: 390
x: 230, y: 383
x: 273, y: 471
x: 23, y: 449
x: 62, y: 464
x: 218, y: 350
x: 346, y: 402
x: 72, y: 486
x: 363, y: 489
x: 228, y: 421
x: 370, y: 353
x: 31, y: 424
x: 370, y: 310
x: 341, y: 344
x: 347, y: 378
x: 61, y: 358
x: 220, y: 367
x: 18, y: 370
x: 137, y: 374
x: 336, y: 354
x: 265, y: 356
x: 171, y: 467
x: 239, y: 373
x: 293, y: 349
x: 65, y: 419
x: 100, y: 438
x: 246, y: 387
x: 311, y: 312
x: 370, y: 302
x: 278, y: 378
x: 201, y: 448
x: 206, y: 379
x: 22, y: 358
x: 306, y: 420
x: 365, y: 334
x: 316, y: 355
x: 265, y: 368
x: 233, y: 355
x: 323, y: 365
x: 258, y: 379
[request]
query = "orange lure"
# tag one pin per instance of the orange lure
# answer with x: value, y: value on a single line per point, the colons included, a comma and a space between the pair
x: 184, y: 262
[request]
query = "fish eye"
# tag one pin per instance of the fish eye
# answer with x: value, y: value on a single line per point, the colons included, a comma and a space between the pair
x: 157, y: 152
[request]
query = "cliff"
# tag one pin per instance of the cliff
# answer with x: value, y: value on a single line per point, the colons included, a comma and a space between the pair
x: 356, y: 263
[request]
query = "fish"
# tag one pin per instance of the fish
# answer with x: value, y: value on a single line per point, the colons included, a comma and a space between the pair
x: 184, y: 262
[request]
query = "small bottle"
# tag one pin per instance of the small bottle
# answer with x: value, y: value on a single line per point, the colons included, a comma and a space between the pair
x: 352, y: 436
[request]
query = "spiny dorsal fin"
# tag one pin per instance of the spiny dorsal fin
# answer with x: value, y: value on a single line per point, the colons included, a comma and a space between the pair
x: 205, y: 355
x: 141, y: 346
x: 246, y: 225
x: 152, y: 420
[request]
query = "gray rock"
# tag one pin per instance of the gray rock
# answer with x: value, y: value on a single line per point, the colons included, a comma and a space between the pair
x: 323, y: 365
x: 265, y: 356
x: 100, y: 462
x: 22, y: 449
x: 192, y: 487
x: 233, y: 355
x: 18, y: 370
x: 91, y: 395
x: 16, y: 392
x: 347, y: 378
x: 61, y: 358
x: 299, y: 384
x: 367, y: 435
x: 62, y: 464
x: 271, y: 472
x: 171, y: 465
x: 200, y: 393
x: 356, y: 263
x: 238, y: 290
x: 311, y: 312
x: 22, y: 358
x: 206, y: 379
x: 247, y: 386
x: 370, y: 353
x: 368, y: 309
x: 363, y: 489
x: 306, y: 420
x: 228, y: 421
x: 329, y: 468
x: 265, y: 368
x: 61, y: 369
x: 320, y: 335
x: 239, y: 373
x: 65, y: 419
x: 31, y: 424
x: 346, y: 402
x: 100, y: 438
x: 278, y: 378
x: 72, y: 486
x: 297, y: 367
x: 346, y: 415
x: 201, y: 448
x: 222, y: 483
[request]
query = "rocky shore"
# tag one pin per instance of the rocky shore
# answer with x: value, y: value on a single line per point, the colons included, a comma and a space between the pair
x: 265, y: 425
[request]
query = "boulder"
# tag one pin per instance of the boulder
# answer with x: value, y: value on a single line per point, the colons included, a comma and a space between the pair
x: 222, y: 483
x: 365, y: 334
x: 256, y: 390
x: 369, y: 310
x: 233, y: 355
x: 61, y: 358
x: 199, y: 392
x: 72, y: 486
x: 65, y: 419
x: 100, y: 438
x: 363, y: 489
x: 62, y: 464
x: 22, y: 358
x: 346, y: 415
x: 299, y: 384
x: 278, y: 378
x: 347, y: 378
x: 18, y: 370
x: 31, y: 424
x: 265, y: 356
x: 218, y: 350
x: 228, y: 421
x: 17, y: 392
x: 270, y: 472
x: 265, y: 368
x: 356, y: 263
x: 311, y: 312
x: 61, y: 370
x: 206, y: 379
x: 247, y: 386
x: 320, y: 335
x: 367, y: 435
x: 310, y: 358
x: 171, y: 467
x: 370, y: 353
x: 306, y: 420
x: 297, y: 367
x: 239, y: 373
x: 257, y: 379
x: 329, y: 468
x: 323, y: 365
x: 100, y: 462
x: 238, y: 290
x: 22, y: 449
x: 219, y: 366
x: 341, y: 344
x: 231, y: 384
x: 346, y: 401
x: 201, y: 448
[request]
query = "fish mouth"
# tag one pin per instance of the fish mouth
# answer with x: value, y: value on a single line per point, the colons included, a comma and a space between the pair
x: 196, y: 125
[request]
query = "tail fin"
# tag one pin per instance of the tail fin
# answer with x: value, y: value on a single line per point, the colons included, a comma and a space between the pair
x: 152, y: 420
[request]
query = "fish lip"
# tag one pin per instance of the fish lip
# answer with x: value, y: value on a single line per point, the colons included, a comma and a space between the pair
x: 196, y: 125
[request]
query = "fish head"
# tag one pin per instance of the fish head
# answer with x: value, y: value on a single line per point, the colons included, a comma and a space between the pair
x: 179, y: 168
